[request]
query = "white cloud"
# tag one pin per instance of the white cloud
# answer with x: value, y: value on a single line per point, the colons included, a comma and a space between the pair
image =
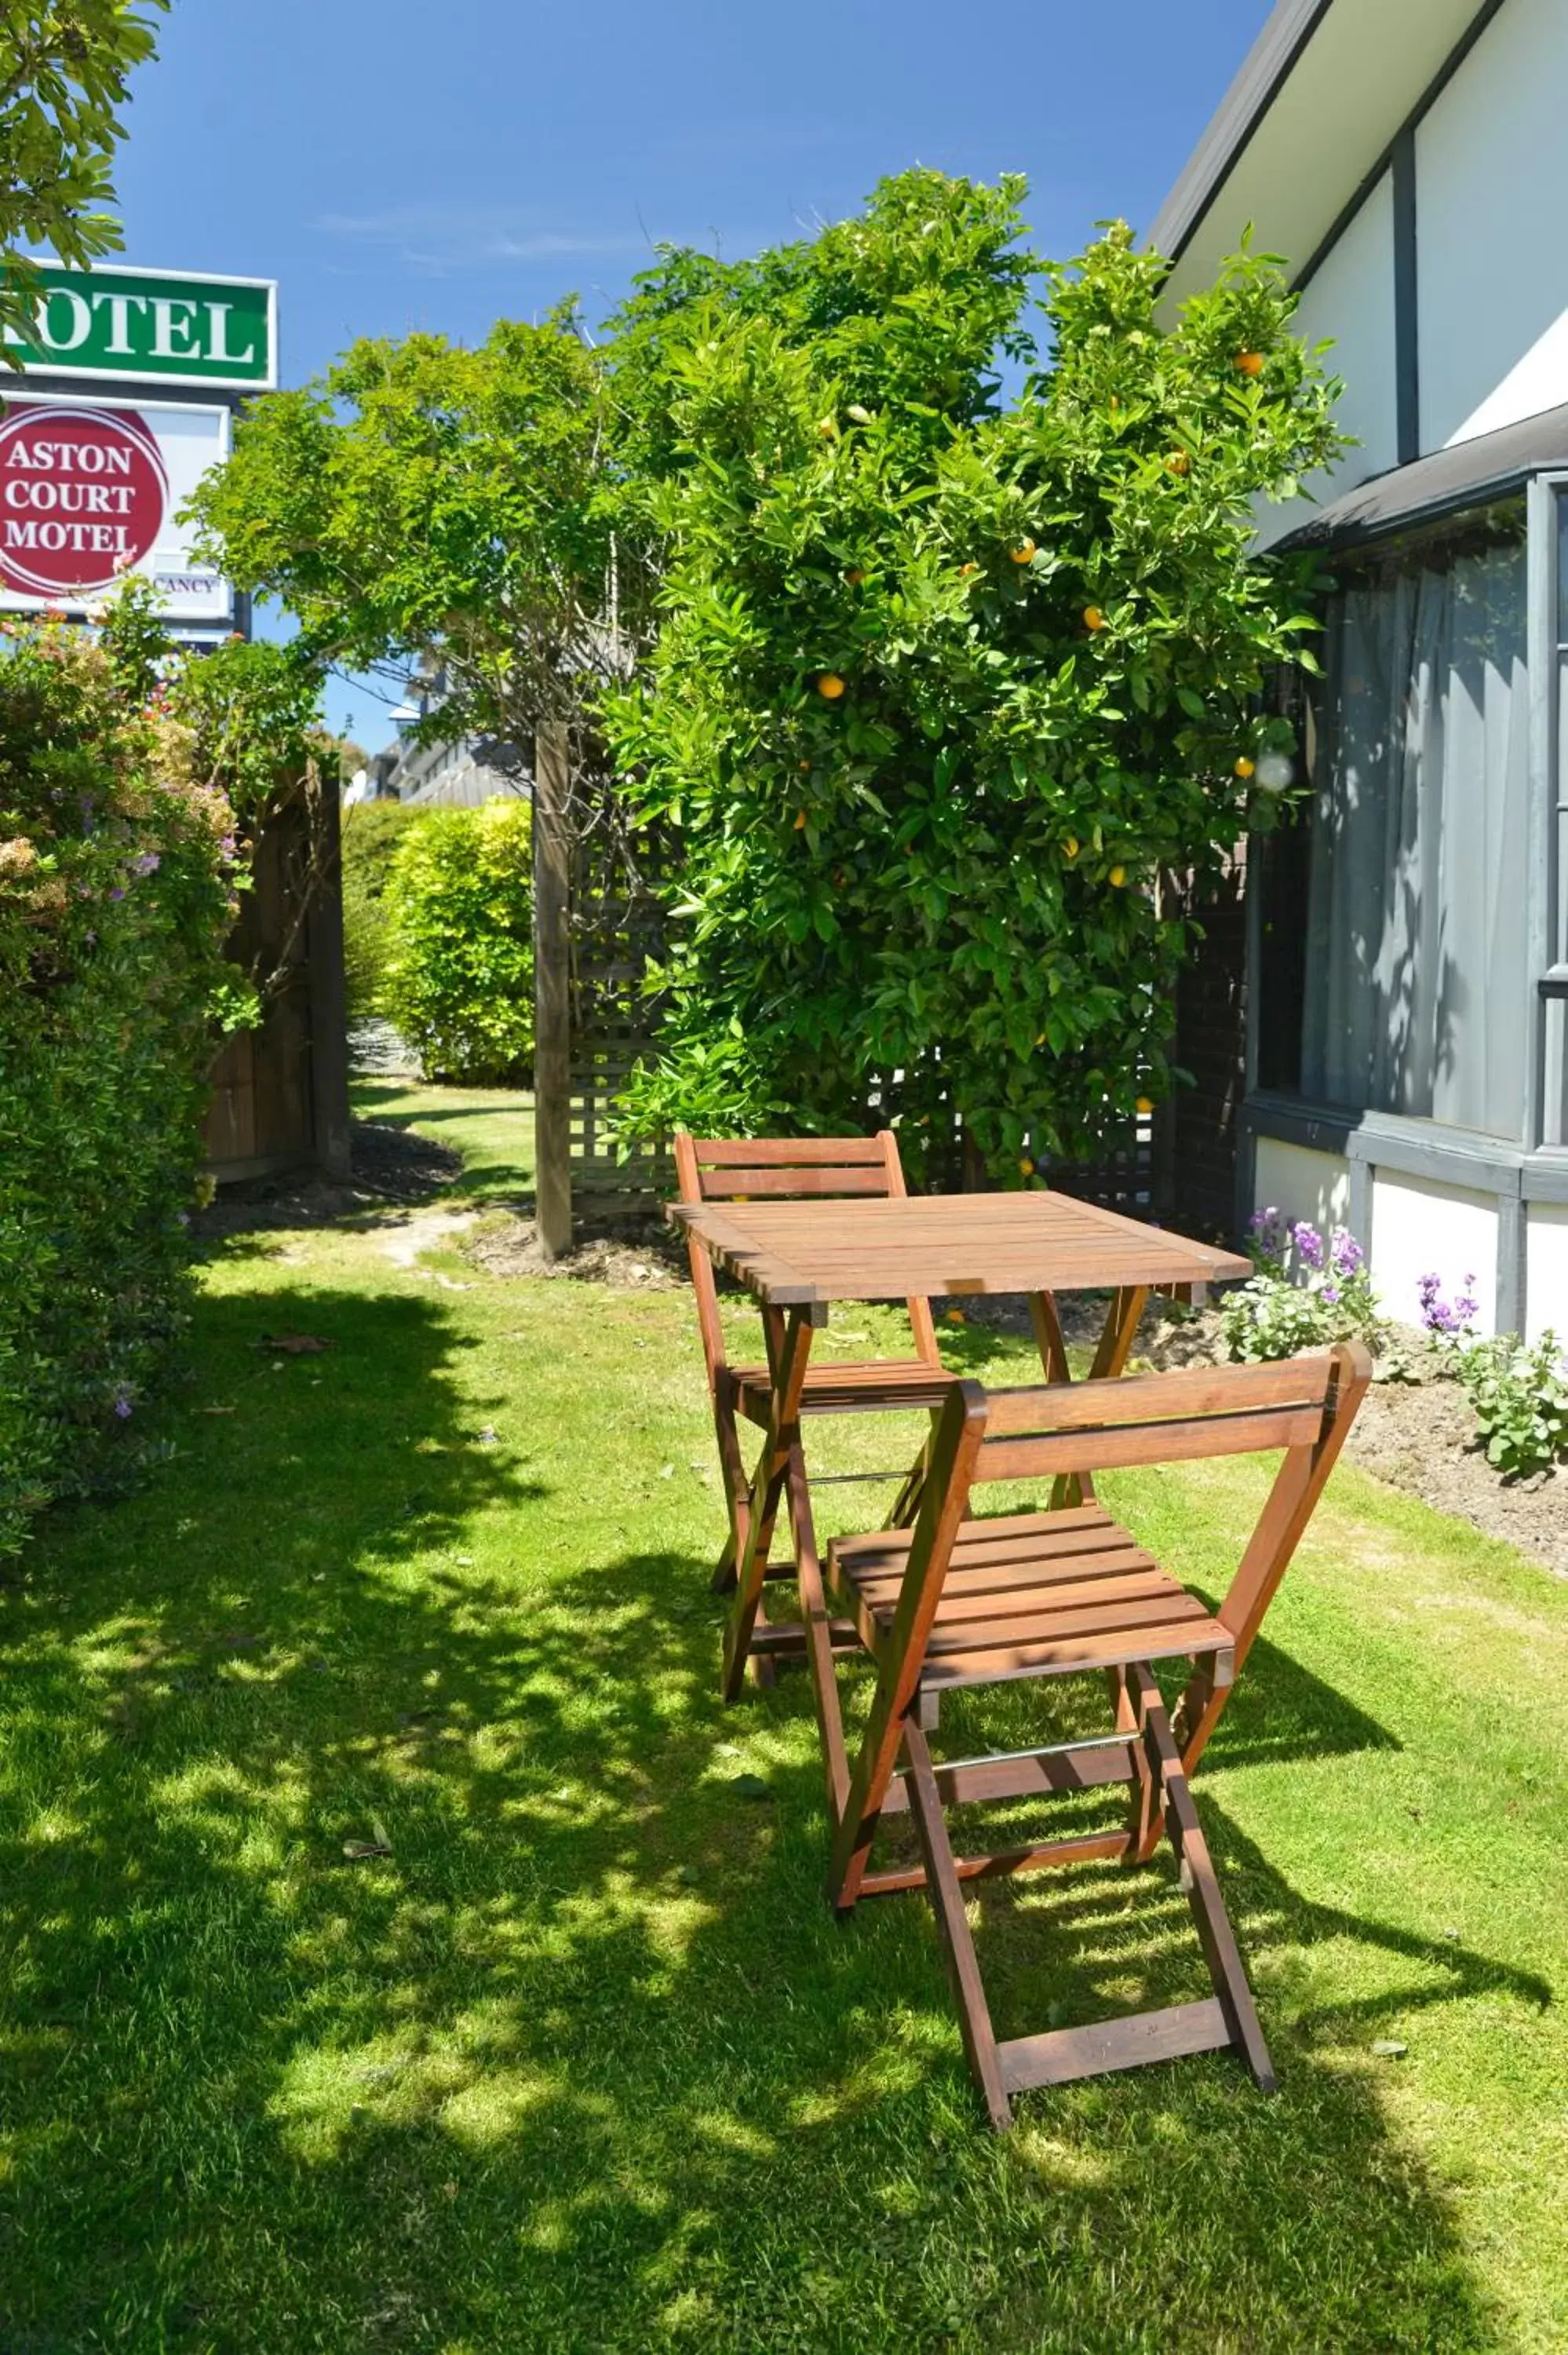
x: 439, y: 238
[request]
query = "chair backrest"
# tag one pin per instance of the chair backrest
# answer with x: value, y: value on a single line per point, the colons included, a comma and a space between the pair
x: 797, y: 1168
x: 1097, y: 1426
x: 1304, y: 1405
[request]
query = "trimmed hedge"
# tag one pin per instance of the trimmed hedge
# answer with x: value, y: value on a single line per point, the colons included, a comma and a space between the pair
x: 371, y: 833
x: 460, y: 977
x: 115, y: 901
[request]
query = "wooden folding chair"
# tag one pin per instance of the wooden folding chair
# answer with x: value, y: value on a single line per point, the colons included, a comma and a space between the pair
x: 954, y: 1601
x: 782, y: 1170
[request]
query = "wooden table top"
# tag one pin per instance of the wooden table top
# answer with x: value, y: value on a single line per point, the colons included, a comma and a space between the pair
x: 930, y: 1246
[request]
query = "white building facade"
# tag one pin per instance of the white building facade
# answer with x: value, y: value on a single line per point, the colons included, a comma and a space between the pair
x: 1407, y: 1056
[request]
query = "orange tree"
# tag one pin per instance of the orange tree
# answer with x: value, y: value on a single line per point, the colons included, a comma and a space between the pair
x: 945, y: 690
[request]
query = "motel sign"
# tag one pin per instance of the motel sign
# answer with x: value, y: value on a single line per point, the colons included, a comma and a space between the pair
x: 97, y: 459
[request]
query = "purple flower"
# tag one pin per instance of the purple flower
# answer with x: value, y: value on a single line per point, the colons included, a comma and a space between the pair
x: 1440, y: 1315
x: 1308, y: 1244
x: 122, y: 1404
x: 1345, y: 1254
x: 1267, y: 1233
x: 117, y: 893
x: 228, y: 846
x: 148, y: 863
x: 1330, y: 1294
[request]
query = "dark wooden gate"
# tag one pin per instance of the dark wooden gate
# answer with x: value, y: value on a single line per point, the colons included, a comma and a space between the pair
x: 280, y: 1093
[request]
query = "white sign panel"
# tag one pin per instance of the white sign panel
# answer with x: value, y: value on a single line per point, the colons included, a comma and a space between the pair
x: 90, y: 491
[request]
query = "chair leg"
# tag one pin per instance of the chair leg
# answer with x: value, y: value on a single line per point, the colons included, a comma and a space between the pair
x: 1203, y: 1890
x: 953, y: 1928
x: 817, y: 1627
x: 737, y: 1489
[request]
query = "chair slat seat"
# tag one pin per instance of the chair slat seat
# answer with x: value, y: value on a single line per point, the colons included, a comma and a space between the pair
x: 855, y: 1386
x: 1029, y: 1595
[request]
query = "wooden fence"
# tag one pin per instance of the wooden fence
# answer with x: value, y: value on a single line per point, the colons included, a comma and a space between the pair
x: 280, y: 1093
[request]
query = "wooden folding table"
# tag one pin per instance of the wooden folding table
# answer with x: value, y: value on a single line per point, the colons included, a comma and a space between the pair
x: 798, y: 1258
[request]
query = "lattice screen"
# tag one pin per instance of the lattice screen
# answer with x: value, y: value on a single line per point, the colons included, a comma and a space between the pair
x: 617, y: 931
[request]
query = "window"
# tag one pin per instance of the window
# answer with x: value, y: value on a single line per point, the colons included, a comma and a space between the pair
x: 1395, y: 973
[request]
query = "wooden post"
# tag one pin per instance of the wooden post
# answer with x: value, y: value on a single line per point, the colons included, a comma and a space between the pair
x: 329, y: 1012
x: 552, y: 992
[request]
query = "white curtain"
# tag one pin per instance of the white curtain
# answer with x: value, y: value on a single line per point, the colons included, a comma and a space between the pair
x: 1415, y: 996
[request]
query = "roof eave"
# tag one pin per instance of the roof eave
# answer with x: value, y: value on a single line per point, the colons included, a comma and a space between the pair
x: 1266, y: 68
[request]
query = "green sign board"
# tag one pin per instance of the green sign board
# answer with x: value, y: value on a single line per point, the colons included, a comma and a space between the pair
x: 162, y: 327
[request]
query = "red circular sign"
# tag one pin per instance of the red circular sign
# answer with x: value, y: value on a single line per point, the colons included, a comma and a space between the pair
x: 82, y: 495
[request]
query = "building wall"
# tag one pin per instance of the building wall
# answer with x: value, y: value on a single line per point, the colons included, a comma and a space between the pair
x: 1546, y: 1247
x: 1416, y: 1226
x: 1491, y: 165
x: 1351, y: 298
x: 1301, y: 1185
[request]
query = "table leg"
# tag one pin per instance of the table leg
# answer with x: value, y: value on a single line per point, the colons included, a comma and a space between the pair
x: 1110, y: 1361
x: 789, y: 1347
x: 1120, y: 1331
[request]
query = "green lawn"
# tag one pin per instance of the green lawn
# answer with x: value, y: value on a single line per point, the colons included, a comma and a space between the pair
x: 584, y: 2061
x: 493, y: 1128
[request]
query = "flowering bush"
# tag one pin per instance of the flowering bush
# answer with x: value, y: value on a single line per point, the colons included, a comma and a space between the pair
x: 1520, y: 1400
x: 1304, y: 1293
x: 1519, y: 1394
x: 116, y: 898
x: 458, y: 975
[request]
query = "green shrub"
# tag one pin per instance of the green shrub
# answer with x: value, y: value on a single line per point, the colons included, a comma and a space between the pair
x: 1521, y: 1399
x: 371, y: 833
x: 460, y: 978
x: 115, y: 901
x: 1303, y: 1294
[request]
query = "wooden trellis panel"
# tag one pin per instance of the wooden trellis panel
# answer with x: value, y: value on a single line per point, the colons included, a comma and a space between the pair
x: 1129, y: 1173
x: 617, y: 931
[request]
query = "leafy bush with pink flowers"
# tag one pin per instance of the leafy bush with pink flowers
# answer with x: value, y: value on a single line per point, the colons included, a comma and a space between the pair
x: 118, y: 860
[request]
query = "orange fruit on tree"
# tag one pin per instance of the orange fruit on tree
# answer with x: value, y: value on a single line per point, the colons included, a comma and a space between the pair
x: 1179, y: 463
x: 1092, y: 618
x: 1118, y: 876
x: 831, y: 685
x: 1071, y: 846
x: 1246, y: 768
x: 1248, y: 363
x: 957, y: 1316
x: 1146, y: 1103
x: 1023, y: 553
x: 964, y: 569
x: 800, y: 820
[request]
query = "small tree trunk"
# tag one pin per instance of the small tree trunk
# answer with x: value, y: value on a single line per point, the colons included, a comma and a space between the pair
x: 552, y: 993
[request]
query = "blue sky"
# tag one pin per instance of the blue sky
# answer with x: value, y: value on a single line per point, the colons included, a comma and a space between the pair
x: 396, y: 166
